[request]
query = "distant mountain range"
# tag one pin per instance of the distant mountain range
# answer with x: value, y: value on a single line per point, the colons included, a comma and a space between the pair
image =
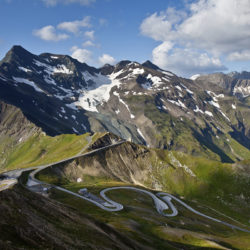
x: 208, y: 116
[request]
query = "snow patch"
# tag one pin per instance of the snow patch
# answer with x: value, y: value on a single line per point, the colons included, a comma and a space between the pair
x: 72, y: 106
x: 197, y: 109
x: 178, y: 87
x: 214, y: 96
x: 167, y: 73
x: 215, y: 104
x: 63, y: 110
x: 99, y: 92
x: 166, y: 79
x: 209, y: 113
x: 60, y: 68
x: 188, y: 90
x: 24, y: 69
x: 141, y: 134
x: 79, y: 180
x: 194, y: 77
x: 179, y: 103
x: 28, y: 82
x: 155, y: 80
x: 244, y: 91
x: 76, y: 131
x: 125, y: 104
x: 138, y: 71
x: 3, y: 79
x: 225, y: 116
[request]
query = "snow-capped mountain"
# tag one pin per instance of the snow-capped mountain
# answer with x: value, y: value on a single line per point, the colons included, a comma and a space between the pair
x: 135, y: 101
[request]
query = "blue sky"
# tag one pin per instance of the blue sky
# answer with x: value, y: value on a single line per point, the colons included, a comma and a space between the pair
x: 186, y: 37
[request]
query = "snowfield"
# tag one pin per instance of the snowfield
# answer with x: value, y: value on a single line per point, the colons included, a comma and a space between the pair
x: 98, y: 93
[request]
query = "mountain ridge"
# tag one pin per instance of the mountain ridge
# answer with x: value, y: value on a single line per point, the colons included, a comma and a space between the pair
x: 138, y: 102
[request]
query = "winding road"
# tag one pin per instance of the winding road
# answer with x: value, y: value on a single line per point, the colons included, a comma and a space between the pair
x: 162, y: 200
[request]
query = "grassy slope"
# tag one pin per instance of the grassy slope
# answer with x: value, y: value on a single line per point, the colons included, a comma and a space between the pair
x: 140, y: 221
x: 40, y: 149
x: 218, y: 185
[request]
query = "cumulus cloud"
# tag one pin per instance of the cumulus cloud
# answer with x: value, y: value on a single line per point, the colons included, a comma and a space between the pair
x: 50, y: 3
x: 90, y: 34
x: 88, y: 44
x: 48, y: 33
x: 75, y: 26
x: 82, y: 55
x: 239, y: 56
x: 51, y: 33
x: 215, y: 28
x: 105, y: 58
x: 185, y: 61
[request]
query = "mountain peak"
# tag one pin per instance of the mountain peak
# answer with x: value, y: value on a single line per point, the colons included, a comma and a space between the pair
x: 18, y: 49
x: 123, y: 63
x: 17, y: 53
x: 149, y: 64
x: 106, y: 69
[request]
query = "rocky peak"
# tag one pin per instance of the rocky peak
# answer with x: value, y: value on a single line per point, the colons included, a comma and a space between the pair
x: 17, y: 55
x: 106, y: 69
x: 121, y: 65
x: 150, y: 65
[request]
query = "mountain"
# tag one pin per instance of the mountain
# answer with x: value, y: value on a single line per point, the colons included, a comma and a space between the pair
x: 235, y: 83
x: 138, y: 102
x: 189, y: 138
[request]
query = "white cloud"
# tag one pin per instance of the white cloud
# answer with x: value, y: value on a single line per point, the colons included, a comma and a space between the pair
x: 50, y: 3
x: 239, y: 56
x: 88, y: 44
x: 185, y: 61
x: 74, y: 26
x: 216, y: 28
x: 105, y: 58
x: 160, y: 26
x: 48, y: 33
x: 82, y: 55
x: 90, y: 34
